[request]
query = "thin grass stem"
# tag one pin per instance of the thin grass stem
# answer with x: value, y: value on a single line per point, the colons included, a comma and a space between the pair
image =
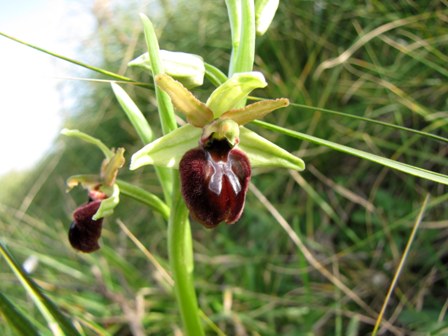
x: 400, y: 265
x: 81, y: 64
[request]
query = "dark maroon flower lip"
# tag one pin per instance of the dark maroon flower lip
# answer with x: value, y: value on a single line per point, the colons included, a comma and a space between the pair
x: 84, y: 231
x: 215, y: 179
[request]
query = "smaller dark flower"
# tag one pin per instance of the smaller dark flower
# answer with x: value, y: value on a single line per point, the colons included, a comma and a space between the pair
x: 84, y: 231
x: 103, y: 193
x: 215, y: 178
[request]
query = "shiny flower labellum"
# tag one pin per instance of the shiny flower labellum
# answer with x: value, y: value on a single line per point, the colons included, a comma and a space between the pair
x: 84, y: 231
x: 215, y: 178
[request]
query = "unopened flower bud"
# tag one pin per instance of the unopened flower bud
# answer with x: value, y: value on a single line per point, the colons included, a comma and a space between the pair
x: 186, y: 68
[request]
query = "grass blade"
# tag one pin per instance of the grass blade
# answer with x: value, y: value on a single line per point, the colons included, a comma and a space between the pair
x: 400, y: 266
x: 57, y: 322
x: 81, y: 64
x: 16, y: 319
x: 372, y: 121
x: 403, y: 167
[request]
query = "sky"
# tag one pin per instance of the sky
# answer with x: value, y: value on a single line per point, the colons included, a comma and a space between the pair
x: 31, y: 107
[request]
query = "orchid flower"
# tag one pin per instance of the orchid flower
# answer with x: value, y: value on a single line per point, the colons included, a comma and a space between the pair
x: 214, y: 152
x: 103, y: 196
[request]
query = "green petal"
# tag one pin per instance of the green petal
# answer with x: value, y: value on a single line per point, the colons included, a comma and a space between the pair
x: 197, y: 113
x: 263, y: 153
x: 187, y: 68
x: 255, y: 111
x: 169, y: 149
x: 228, y: 95
x: 221, y: 129
x: 108, y: 205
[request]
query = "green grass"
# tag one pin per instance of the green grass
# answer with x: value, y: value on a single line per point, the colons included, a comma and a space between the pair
x: 315, y: 253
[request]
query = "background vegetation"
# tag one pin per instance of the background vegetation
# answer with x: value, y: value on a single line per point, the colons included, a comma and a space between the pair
x: 255, y: 277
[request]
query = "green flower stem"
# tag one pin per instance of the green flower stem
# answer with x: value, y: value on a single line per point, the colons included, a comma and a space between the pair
x: 181, y: 260
x: 234, y: 13
x: 242, y: 24
x: 166, y: 109
x: 179, y: 233
x: 144, y: 197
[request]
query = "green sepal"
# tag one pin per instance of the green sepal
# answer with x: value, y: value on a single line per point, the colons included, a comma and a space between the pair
x: 88, y: 182
x: 167, y: 150
x: 90, y: 139
x: 263, y: 153
x: 108, y: 205
x: 110, y: 167
x: 234, y: 91
x: 264, y: 14
x: 189, y: 69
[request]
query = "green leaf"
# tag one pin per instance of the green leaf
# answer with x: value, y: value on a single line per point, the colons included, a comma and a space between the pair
x: 57, y: 322
x: 234, y: 91
x: 134, y: 114
x: 187, y: 68
x: 403, y: 167
x: 263, y: 153
x: 264, y: 14
x: 87, y: 138
x: 16, y: 319
x: 167, y: 150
